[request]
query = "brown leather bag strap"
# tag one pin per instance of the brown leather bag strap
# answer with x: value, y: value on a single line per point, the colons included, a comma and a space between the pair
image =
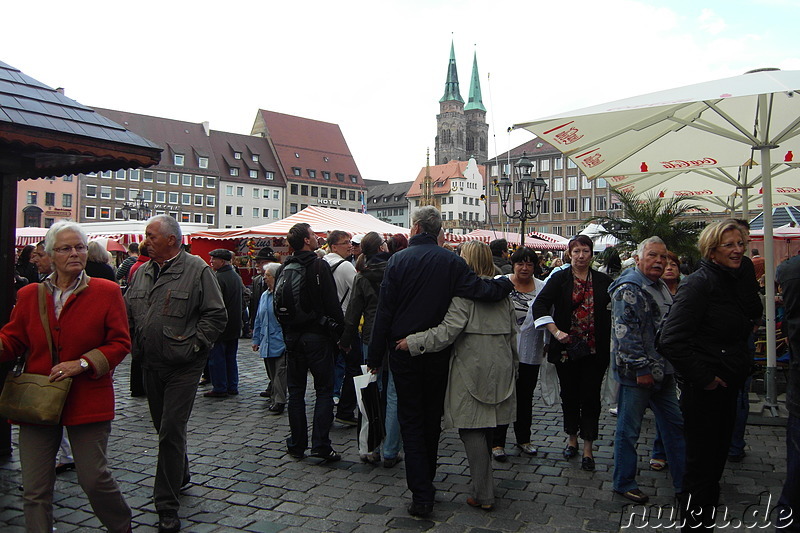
x: 45, y: 317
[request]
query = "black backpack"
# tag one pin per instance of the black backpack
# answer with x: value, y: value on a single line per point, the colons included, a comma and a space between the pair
x: 292, y: 301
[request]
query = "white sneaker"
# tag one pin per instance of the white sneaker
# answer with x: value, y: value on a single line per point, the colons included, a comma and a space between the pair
x: 613, y: 411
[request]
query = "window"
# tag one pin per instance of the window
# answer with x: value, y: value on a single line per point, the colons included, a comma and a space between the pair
x: 600, y: 203
x: 265, y: 213
x: 351, y: 196
x: 311, y: 173
x: 254, y: 174
x: 266, y: 194
x: 229, y: 210
x: 119, y: 174
x: 186, y: 198
x: 544, y: 165
x: 335, y: 194
x: 314, y: 191
x: 198, y: 181
x: 229, y: 190
x: 304, y: 190
x: 68, y: 178
x: 91, y: 192
x: 340, y: 176
x: 105, y: 213
x: 239, y: 191
x: 558, y: 206
x: 198, y: 218
x: 342, y: 194
x: 198, y: 200
x: 237, y: 155
x: 572, y: 205
x: 571, y: 164
x: 161, y: 197
x: 210, y: 219
x: 147, y: 195
x: 89, y: 211
x: 173, y: 197
x: 585, y: 183
x: 161, y: 177
x: 106, y: 174
x: 269, y: 175
x: 185, y: 217
x: 326, y: 175
x: 256, y: 212
x: 255, y: 158
x: 353, y: 179
x: 275, y: 214
x: 292, y: 209
x: 586, y: 204
x: 558, y: 184
x: 296, y: 171
x: 49, y: 198
x: 147, y: 175
x: 48, y: 221
x: 558, y: 163
x: 105, y: 193
x: 544, y: 207
x: 211, y: 182
x: 202, y: 162
x: 178, y: 160
x: 572, y: 230
x: 66, y: 200
x: 276, y: 194
x: 239, y: 211
x: 600, y: 183
x: 119, y: 194
x: 133, y: 175
x: 187, y: 180
x: 233, y: 171
x: 256, y: 192
x: 293, y: 188
x: 323, y: 192
x: 210, y: 200
x: 572, y: 183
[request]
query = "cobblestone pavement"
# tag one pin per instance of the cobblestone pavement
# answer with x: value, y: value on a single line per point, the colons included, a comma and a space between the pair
x: 244, y: 481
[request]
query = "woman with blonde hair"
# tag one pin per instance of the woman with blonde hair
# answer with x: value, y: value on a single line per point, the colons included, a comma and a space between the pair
x: 97, y: 262
x: 481, y: 392
x: 705, y: 337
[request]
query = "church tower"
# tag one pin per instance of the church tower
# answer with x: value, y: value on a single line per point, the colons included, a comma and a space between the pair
x: 477, y: 128
x: 451, y: 123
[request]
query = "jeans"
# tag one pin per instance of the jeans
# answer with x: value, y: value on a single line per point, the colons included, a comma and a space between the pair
x: 790, y: 497
x: 632, y: 403
x: 338, y: 374
x: 314, y: 353
x: 223, y: 367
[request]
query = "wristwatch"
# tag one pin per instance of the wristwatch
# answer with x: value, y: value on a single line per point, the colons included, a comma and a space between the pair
x: 84, y: 364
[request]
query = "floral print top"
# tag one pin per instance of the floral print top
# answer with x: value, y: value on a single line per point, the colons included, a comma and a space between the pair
x: 583, y: 310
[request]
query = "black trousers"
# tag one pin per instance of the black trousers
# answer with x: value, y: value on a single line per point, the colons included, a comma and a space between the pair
x: 580, y: 383
x: 708, y: 420
x: 352, y: 368
x: 421, y: 383
x: 527, y: 377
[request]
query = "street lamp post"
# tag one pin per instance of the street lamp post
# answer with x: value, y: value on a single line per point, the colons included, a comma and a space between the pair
x: 532, y: 190
x: 139, y: 210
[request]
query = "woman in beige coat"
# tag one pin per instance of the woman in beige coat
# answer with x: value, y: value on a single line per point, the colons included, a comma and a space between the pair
x: 481, y: 387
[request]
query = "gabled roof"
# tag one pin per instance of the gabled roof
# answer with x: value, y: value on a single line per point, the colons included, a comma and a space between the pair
x: 389, y: 190
x: 48, y: 134
x: 224, y: 145
x: 175, y: 136
x: 441, y: 176
x: 308, y: 144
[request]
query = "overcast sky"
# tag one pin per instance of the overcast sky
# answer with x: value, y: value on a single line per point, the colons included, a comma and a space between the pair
x: 378, y: 68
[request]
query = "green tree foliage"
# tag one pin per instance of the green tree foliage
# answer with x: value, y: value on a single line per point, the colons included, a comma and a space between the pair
x: 648, y: 215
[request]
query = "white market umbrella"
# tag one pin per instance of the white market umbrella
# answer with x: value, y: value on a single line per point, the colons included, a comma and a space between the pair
x: 724, y: 123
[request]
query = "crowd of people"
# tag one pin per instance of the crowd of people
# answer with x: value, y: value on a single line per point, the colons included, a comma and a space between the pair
x: 454, y: 339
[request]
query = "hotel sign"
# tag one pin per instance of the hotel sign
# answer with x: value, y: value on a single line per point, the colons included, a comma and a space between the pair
x: 323, y: 201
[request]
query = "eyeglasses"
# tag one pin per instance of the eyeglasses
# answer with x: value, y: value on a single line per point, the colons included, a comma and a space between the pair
x: 64, y: 250
x: 729, y: 245
x: 345, y: 243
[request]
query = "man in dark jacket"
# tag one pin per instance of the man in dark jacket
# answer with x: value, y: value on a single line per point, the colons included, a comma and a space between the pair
x: 499, y: 248
x: 310, y: 347
x: 222, y: 359
x: 788, y: 276
x: 415, y: 294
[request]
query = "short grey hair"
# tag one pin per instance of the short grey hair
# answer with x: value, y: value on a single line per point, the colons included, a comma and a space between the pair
x: 429, y: 219
x: 97, y: 253
x: 169, y: 226
x: 271, y: 268
x: 645, y: 243
x: 62, y: 225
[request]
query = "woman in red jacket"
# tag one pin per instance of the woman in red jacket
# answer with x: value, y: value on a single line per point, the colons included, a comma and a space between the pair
x: 89, y: 331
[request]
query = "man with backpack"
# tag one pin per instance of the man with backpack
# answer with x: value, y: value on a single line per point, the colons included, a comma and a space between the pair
x: 344, y: 274
x: 306, y: 305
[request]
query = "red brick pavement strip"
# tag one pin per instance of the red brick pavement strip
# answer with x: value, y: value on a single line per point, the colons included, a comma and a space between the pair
x: 244, y: 481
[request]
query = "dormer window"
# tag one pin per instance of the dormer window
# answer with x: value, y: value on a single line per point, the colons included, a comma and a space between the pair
x: 178, y: 160
x: 254, y: 174
x: 234, y: 171
x: 255, y: 158
x: 237, y: 155
x: 202, y: 162
x: 312, y: 173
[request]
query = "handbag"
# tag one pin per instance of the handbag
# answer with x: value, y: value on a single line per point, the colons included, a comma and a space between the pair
x: 32, y: 398
x: 578, y: 350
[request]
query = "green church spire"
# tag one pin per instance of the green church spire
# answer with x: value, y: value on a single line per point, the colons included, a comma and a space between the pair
x: 451, y: 91
x: 475, y: 100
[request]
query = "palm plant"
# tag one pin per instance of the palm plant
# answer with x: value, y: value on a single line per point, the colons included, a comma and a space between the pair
x: 650, y: 215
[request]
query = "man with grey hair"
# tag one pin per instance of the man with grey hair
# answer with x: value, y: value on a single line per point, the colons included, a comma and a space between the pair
x: 176, y: 313
x: 415, y: 294
x: 640, y: 301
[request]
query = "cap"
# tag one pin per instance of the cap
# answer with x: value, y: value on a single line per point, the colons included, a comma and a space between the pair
x: 221, y: 253
x: 266, y: 254
x: 356, y: 239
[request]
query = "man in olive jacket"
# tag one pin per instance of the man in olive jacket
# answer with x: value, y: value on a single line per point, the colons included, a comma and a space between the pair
x: 176, y: 313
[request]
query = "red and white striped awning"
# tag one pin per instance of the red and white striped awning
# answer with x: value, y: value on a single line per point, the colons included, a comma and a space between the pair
x: 531, y: 241
x: 27, y: 236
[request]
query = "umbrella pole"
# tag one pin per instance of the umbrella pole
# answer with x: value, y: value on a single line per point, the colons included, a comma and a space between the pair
x: 771, y: 402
